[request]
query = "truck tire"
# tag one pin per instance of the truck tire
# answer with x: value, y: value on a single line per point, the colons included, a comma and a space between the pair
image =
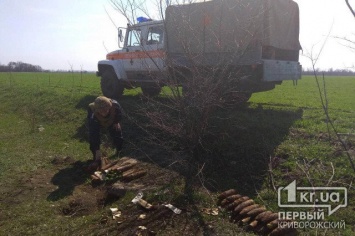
x: 151, y: 90
x: 244, y: 97
x: 237, y: 98
x: 184, y: 90
x: 110, y: 86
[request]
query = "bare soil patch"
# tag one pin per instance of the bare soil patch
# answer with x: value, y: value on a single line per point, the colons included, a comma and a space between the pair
x: 72, y: 182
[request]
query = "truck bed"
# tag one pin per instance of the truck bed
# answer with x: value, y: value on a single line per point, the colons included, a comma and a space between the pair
x: 231, y: 32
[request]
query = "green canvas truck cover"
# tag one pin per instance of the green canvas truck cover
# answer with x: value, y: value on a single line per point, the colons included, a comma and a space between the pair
x: 230, y: 32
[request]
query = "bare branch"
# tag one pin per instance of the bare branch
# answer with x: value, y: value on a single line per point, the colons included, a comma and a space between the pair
x: 349, y: 43
x: 332, y: 176
x: 350, y: 8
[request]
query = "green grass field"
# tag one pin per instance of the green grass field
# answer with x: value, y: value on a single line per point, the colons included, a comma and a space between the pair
x: 280, y: 136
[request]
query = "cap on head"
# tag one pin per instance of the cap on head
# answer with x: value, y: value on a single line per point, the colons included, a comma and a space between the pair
x: 102, y: 102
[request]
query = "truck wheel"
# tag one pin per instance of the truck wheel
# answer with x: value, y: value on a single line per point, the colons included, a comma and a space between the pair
x: 244, y: 97
x: 110, y: 85
x: 237, y: 98
x: 241, y: 98
x: 184, y: 90
x: 151, y: 90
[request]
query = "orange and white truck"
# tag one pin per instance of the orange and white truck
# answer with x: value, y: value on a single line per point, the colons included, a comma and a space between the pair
x: 254, y: 41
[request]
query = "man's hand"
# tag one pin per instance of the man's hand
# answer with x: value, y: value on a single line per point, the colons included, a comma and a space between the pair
x: 117, y: 126
x: 98, y: 155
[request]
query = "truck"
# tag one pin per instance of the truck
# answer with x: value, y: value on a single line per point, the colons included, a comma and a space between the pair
x: 254, y: 41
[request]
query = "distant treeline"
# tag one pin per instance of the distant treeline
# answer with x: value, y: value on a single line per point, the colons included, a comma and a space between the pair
x: 336, y: 72
x: 20, y: 67
x: 26, y: 67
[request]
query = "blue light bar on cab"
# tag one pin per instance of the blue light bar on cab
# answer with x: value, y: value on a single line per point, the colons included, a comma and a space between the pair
x: 142, y: 19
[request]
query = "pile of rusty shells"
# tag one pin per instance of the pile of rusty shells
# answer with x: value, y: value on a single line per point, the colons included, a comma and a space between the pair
x: 254, y: 217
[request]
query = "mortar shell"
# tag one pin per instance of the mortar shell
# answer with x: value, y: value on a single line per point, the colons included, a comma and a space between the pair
x: 242, y: 205
x: 236, y: 203
x: 227, y: 193
x: 254, y: 223
x: 257, y: 211
x: 262, y: 214
x: 273, y: 224
x: 233, y: 197
x: 249, y: 208
x: 246, y: 220
x: 229, y: 200
x: 269, y: 217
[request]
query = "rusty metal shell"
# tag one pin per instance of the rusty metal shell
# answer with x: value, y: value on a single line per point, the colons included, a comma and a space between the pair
x: 270, y: 217
x: 254, y: 223
x: 256, y: 211
x: 229, y: 200
x: 249, y: 208
x: 227, y: 193
x: 246, y: 220
x: 233, y: 197
x: 236, y: 203
x: 242, y: 205
x: 273, y: 224
x: 252, y: 216
x: 261, y: 215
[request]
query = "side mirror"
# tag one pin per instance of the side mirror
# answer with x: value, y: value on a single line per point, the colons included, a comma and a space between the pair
x: 120, y: 35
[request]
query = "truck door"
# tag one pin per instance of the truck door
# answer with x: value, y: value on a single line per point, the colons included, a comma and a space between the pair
x: 131, y: 60
x: 153, y: 60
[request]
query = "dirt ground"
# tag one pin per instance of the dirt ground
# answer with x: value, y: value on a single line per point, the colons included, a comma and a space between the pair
x: 72, y: 182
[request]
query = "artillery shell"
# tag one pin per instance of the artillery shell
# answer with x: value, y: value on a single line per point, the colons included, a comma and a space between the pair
x: 233, y: 197
x: 237, y: 202
x: 246, y: 220
x: 251, y: 226
x: 242, y: 205
x: 227, y: 193
x: 262, y: 214
x: 269, y: 217
x: 133, y: 175
x: 273, y: 224
x: 249, y: 208
x: 124, y: 168
x: 254, y: 223
x: 283, y: 231
x: 256, y: 211
x: 223, y: 203
x: 229, y: 200
x: 240, y: 200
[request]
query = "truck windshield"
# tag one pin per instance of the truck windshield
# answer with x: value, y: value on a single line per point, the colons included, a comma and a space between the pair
x: 134, y: 37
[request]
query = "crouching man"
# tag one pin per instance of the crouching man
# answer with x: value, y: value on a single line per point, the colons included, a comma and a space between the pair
x: 104, y: 113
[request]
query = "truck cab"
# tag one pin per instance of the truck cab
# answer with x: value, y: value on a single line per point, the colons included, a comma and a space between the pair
x: 139, y: 63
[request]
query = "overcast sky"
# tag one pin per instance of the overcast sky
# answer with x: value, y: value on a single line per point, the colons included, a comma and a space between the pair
x: 60, y: 34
